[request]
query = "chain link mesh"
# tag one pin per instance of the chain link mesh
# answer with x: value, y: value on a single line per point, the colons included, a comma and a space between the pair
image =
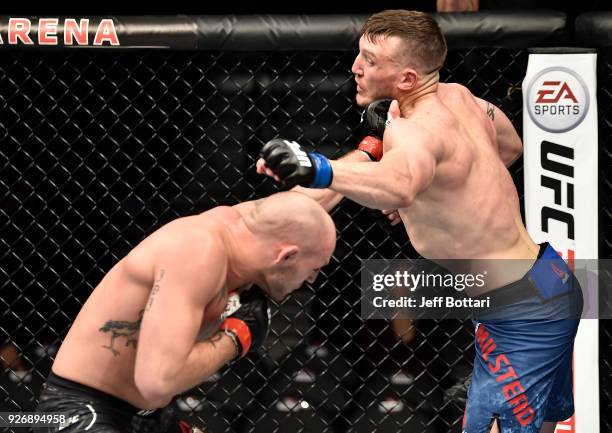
x: 101, y: 148
x: 604, y: 104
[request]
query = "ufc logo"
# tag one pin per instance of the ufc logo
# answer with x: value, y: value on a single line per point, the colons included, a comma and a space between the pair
x: 299, y: 153
x: 563, y: 215
x: 548, y: 96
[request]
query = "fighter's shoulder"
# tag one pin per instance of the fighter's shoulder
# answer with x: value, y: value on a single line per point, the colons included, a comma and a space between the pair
x: 190, y: 237
x: 454, y: 89
x: 402, y: 128
x: 412, y: 137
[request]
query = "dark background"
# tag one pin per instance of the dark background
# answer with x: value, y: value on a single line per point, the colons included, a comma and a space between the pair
x: 86, y: 179
x: 284, y: 7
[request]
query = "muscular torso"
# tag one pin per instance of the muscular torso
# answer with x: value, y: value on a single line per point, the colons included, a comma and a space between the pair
x: 471, y: 209
x: 100, y: 348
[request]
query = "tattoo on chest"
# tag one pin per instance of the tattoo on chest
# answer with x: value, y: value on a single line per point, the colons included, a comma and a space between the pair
x: 122, y: 328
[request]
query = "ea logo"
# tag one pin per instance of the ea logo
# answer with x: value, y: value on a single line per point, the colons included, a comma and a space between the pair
x: 557, y: 99
x: 556, y: 90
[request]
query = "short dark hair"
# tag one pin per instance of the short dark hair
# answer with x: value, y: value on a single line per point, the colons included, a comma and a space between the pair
x: 419, y: 32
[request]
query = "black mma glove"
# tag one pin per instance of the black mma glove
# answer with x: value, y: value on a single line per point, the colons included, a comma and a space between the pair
x: 248, y: 326
x: 373, y: 125
x: 294, y: 166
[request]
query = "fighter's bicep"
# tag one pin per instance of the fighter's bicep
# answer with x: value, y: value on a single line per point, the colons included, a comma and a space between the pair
x: 184, y: 284
x: 171, y: 310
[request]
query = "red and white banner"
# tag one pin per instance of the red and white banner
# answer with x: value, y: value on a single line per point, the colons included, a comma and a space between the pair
x: 560, y: 157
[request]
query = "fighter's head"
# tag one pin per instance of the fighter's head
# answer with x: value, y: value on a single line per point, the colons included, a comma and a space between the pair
x: 397, y: 50
x: 298, y: 239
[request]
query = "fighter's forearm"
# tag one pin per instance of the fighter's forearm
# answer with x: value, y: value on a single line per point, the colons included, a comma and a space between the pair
x: 372, y: 185
x: 206, y: 358
x: 329, y: 198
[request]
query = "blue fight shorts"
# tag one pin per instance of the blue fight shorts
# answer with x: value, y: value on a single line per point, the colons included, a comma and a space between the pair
x: 522, y: 373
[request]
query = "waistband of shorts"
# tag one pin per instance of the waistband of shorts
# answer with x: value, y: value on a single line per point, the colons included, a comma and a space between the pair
x: 516, y: 291
x: 92, y: 393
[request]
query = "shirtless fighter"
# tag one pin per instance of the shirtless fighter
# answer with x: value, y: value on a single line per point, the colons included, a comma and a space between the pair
x: 159, y: 323
x: 442, y: 166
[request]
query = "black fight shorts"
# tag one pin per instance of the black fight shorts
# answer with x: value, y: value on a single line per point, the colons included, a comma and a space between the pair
x: 93, y: 411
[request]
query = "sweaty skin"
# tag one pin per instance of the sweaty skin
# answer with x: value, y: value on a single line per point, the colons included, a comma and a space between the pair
x: 463, y: 202
x: 458, y: 199
x: 441, y: 169
x: 129, y: 290
x: 149, y: 330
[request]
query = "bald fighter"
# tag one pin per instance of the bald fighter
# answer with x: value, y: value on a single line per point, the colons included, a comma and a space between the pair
x: 179, y: 307
x: 442, y: 166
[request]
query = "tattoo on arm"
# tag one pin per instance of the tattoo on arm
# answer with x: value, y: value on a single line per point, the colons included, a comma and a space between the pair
x: 215, y: 338
x: 155, y: 289
x: 122, y: 328
x: 491, y: 111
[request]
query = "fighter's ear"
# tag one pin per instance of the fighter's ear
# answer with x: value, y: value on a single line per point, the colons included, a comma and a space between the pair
x: 409, y: 79
x: 286, y: 254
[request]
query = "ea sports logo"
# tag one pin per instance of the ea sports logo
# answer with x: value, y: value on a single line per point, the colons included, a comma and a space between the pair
x: 557, y: 99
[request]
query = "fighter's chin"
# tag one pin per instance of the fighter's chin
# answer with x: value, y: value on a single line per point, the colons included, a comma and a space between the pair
x: 279, y: 296
x: 362, y: 100
x: 276, y: 293
x: 280, y: 293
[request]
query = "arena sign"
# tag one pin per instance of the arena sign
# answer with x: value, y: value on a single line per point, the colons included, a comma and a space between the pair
x: 50, y: 31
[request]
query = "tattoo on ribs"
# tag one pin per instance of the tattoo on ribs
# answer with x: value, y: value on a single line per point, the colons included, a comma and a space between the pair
x: 491, y: 111
x: 155, y: 289
x: 122, y: 328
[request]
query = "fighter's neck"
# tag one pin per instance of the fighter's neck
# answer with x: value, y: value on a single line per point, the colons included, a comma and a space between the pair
x: 240, y: 275
x: 424, y: 91
x: 242, y: 266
